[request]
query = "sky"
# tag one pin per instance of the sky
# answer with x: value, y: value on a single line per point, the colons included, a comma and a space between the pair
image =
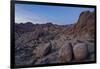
x: 43, y: 14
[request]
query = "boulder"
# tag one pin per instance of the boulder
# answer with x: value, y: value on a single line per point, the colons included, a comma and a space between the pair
x: 65, y: 53
x: 42, y: 50
x: 80, y: 51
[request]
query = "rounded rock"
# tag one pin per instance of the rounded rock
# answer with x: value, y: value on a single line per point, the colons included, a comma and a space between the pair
x: 65, y: 53
x: 80, y: 51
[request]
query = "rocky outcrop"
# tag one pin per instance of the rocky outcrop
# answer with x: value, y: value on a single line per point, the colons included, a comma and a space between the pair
x: 85, y: 24
x: 84, y: 27
x: 42, y: 50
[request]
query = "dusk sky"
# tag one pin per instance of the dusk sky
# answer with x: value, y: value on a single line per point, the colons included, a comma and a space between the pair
x: 43, y: 14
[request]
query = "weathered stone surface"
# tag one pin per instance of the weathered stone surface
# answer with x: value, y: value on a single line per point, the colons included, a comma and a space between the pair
x: 51, y: 58
x: 80, y: 51
x: 42, y: 50
x: 65, y: 53
x: 24, y: 55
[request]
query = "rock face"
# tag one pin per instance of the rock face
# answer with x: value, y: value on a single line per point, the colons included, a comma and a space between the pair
x: 43, y: 50
x: 85, y: 24
x: 80, y: 51
x: 23, y: 55
x: 65, y: 53
x: 50, y: 43
x: 84, y: 27
x: 51, y: 58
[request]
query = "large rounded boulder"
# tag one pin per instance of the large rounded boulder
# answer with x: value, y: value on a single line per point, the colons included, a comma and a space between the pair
x: 80, y: 51
x: 65, y: 53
